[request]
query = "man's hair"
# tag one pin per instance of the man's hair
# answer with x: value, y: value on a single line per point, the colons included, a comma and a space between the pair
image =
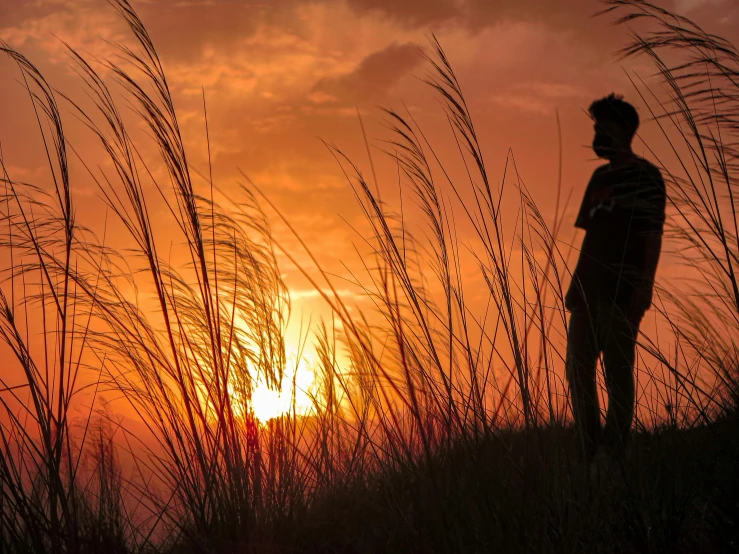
x: 615, y: 109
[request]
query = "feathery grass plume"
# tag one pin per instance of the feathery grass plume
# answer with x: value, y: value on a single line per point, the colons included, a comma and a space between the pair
x: 219, y: 328
x: 700, y: 122
x: 43, y: 503
x: 190, y: 366
x: 445, y: 353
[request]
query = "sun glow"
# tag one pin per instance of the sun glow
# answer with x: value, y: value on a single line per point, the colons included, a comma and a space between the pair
x: 296, y: 395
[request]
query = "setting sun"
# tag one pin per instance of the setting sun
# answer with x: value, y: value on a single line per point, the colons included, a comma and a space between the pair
x: 296, y: 395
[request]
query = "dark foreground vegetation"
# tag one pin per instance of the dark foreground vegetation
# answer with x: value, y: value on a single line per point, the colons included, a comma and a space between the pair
x: 529, y: 492
x: 447, y: 428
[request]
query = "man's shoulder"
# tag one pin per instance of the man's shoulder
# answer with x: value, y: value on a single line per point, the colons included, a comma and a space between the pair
x: 646, y: 165
x: 642, y: 164
x: 601, y: 169
x: 653, y: 175
x: 600, y: 173
x: 641, y: 170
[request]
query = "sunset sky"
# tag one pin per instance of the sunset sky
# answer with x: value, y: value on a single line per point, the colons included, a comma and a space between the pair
x: 267, y: 289
x: 282, y: 76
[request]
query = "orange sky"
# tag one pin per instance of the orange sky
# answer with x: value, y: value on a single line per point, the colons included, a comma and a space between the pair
x: 279, y: 75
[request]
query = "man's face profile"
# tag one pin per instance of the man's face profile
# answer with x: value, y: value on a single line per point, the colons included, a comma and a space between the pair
x: 608, y: 140
x: 603, y: 141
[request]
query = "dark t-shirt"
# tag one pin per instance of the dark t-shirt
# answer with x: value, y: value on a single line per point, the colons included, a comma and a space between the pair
x: 623, y: 206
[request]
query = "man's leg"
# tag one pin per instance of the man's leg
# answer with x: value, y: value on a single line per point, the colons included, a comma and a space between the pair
x: 619, y: 352
x: 582, y: 356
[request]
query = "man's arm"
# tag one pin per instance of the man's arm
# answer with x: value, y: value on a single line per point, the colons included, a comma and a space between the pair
x: 653, y: 239
x: 583, y: 217
x: 652, y: 251
x: 642, y: 295
x: 652, y: 245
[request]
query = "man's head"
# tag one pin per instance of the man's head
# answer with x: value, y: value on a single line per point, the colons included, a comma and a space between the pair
x: 616, y: 122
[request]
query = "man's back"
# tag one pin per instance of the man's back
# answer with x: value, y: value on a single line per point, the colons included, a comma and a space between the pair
x: 622, y: 210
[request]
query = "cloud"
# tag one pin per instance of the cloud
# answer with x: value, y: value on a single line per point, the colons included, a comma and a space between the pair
x: 183, y: 30
x: 685, y: 6
x: 373, y: 77
x: 83, y: 26
x: 411, y: 12
x: 722, y: 14
x: 343, y: 293
x: 539, y: 97
x: 479, y: 14
x: 320, y: 97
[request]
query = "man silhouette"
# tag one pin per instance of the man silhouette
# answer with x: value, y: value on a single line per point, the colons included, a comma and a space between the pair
x: 622, y: 213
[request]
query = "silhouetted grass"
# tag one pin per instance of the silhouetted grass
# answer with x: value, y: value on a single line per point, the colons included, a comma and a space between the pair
x: 444, y: 426
x: 700, y: 120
